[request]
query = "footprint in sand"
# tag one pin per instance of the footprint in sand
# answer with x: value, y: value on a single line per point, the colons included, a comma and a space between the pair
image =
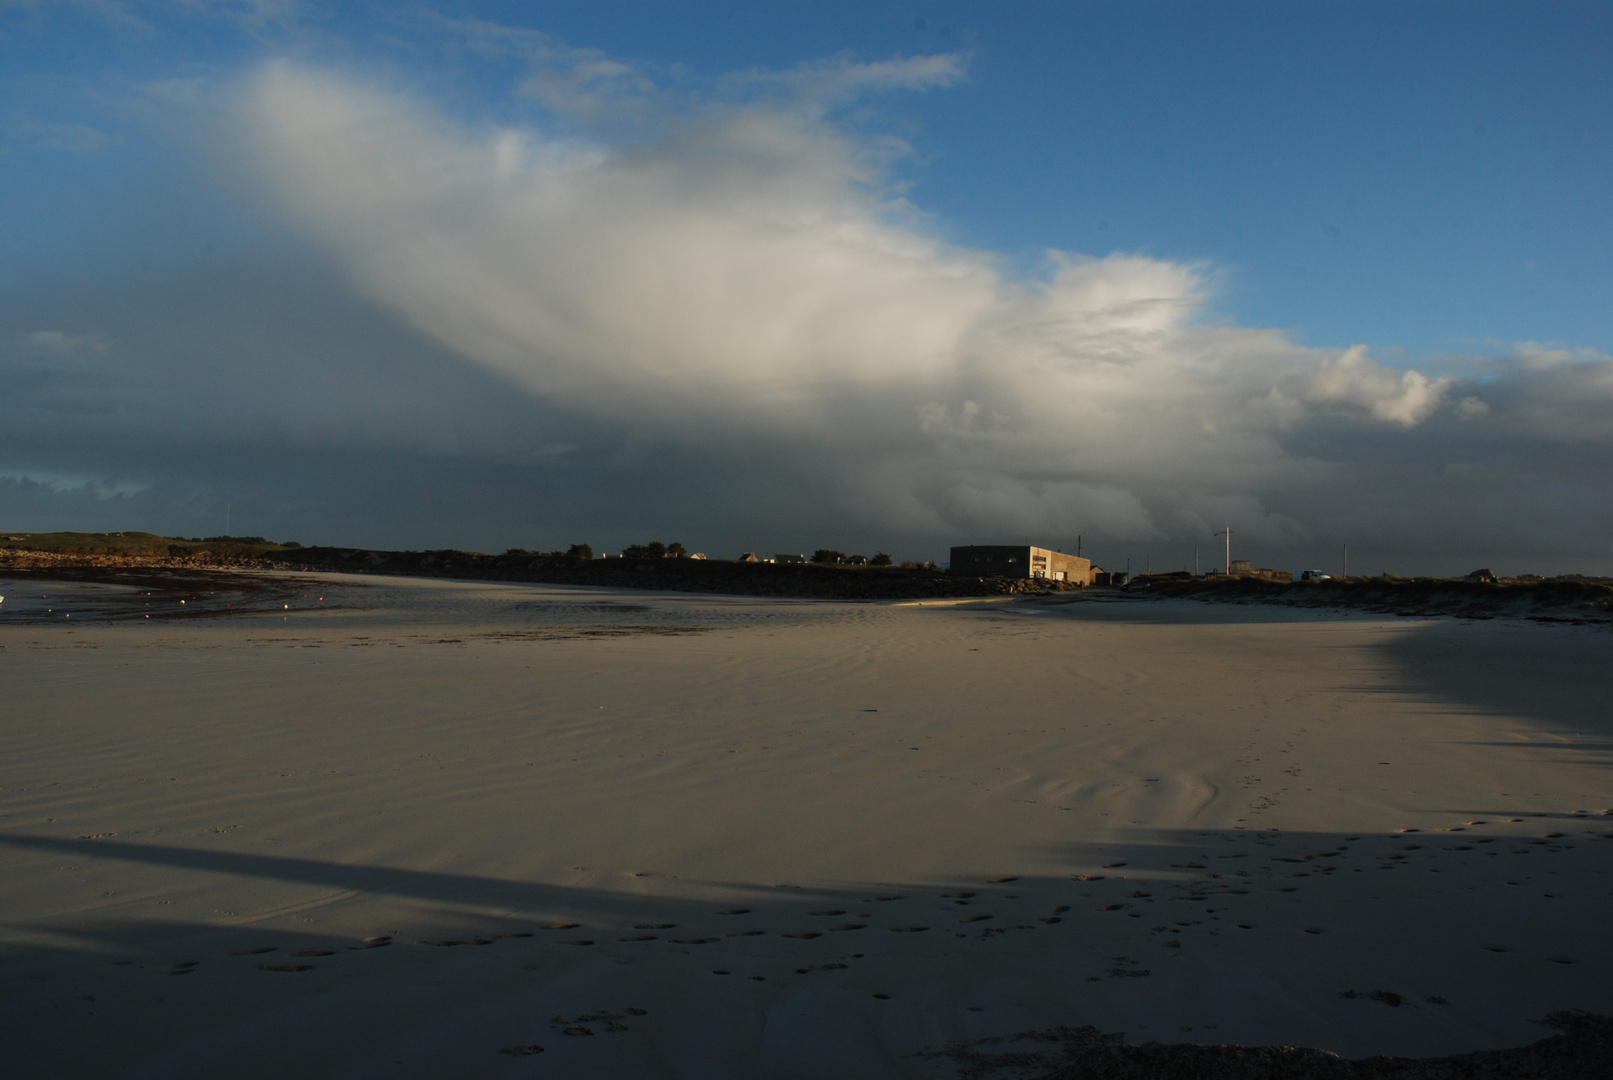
x: 849, y: 926
x: 1498, y: 948
x: 654, y: 926
x: 747, y: 933
x: 879, y: 899
x: 908, y: 929
x: 825, y: 914
x: 560, y: 926
x: 285, y: 967
x: 253, y: 952
x: 974, y: 918
x: 312, y: 952
x: 638, y: 937
x: 522, y: 1051
x: 500, y: 937
x: 1001, y: 880
x: 379, y: 942
x: 577, y: 942
x: 803, y: 934
x: 693, y: 941
x: 735, y: 911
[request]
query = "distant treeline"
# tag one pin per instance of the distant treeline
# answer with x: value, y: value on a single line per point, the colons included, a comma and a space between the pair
x: 638, y: 568
x: 138, y: 544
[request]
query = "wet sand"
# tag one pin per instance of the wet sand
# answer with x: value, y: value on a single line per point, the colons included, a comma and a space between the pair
x: 422, y: 828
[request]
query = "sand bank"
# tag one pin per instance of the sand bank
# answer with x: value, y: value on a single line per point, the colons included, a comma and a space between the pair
x: 419, y: 828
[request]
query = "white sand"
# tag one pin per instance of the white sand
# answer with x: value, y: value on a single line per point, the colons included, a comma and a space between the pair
x: 447, y: 762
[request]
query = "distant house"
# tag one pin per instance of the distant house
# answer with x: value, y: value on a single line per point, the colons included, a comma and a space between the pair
x: 995, y: 560
x: 749, y: 556
x: 781, y: 558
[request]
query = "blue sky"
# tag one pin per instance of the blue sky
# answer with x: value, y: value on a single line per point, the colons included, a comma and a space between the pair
x: 1275, y: 183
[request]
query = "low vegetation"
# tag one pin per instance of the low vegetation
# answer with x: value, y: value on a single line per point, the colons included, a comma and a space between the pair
x: 1473, y: 596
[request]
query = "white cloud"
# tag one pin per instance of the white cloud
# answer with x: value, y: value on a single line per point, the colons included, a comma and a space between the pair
x: 741, y: 281
x: 828, y: 83
x: 63, y: 344
x: 72, y: 138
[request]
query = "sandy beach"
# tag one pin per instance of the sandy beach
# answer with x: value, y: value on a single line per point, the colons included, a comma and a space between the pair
x: 391, y: 828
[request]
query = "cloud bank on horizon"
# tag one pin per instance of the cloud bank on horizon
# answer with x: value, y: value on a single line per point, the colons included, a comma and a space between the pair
x: 731, y: 279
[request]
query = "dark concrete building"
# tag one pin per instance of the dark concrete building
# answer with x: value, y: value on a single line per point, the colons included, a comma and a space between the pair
x: 997, y: 560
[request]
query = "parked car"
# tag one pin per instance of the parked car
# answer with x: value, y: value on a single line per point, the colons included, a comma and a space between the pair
x: 1314, y: 575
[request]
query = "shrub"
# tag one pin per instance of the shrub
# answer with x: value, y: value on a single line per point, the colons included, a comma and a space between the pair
x: 828, y: 556
x: 580, y: 551
x: 880, y: 559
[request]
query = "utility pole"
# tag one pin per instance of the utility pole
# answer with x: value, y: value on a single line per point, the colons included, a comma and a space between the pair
x: 1195, y: 560
x: 1346, y: 561
x: 1228, y: 535
x: 1077, y: 545
x: 1148, y: 563
x: 226, y: 519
